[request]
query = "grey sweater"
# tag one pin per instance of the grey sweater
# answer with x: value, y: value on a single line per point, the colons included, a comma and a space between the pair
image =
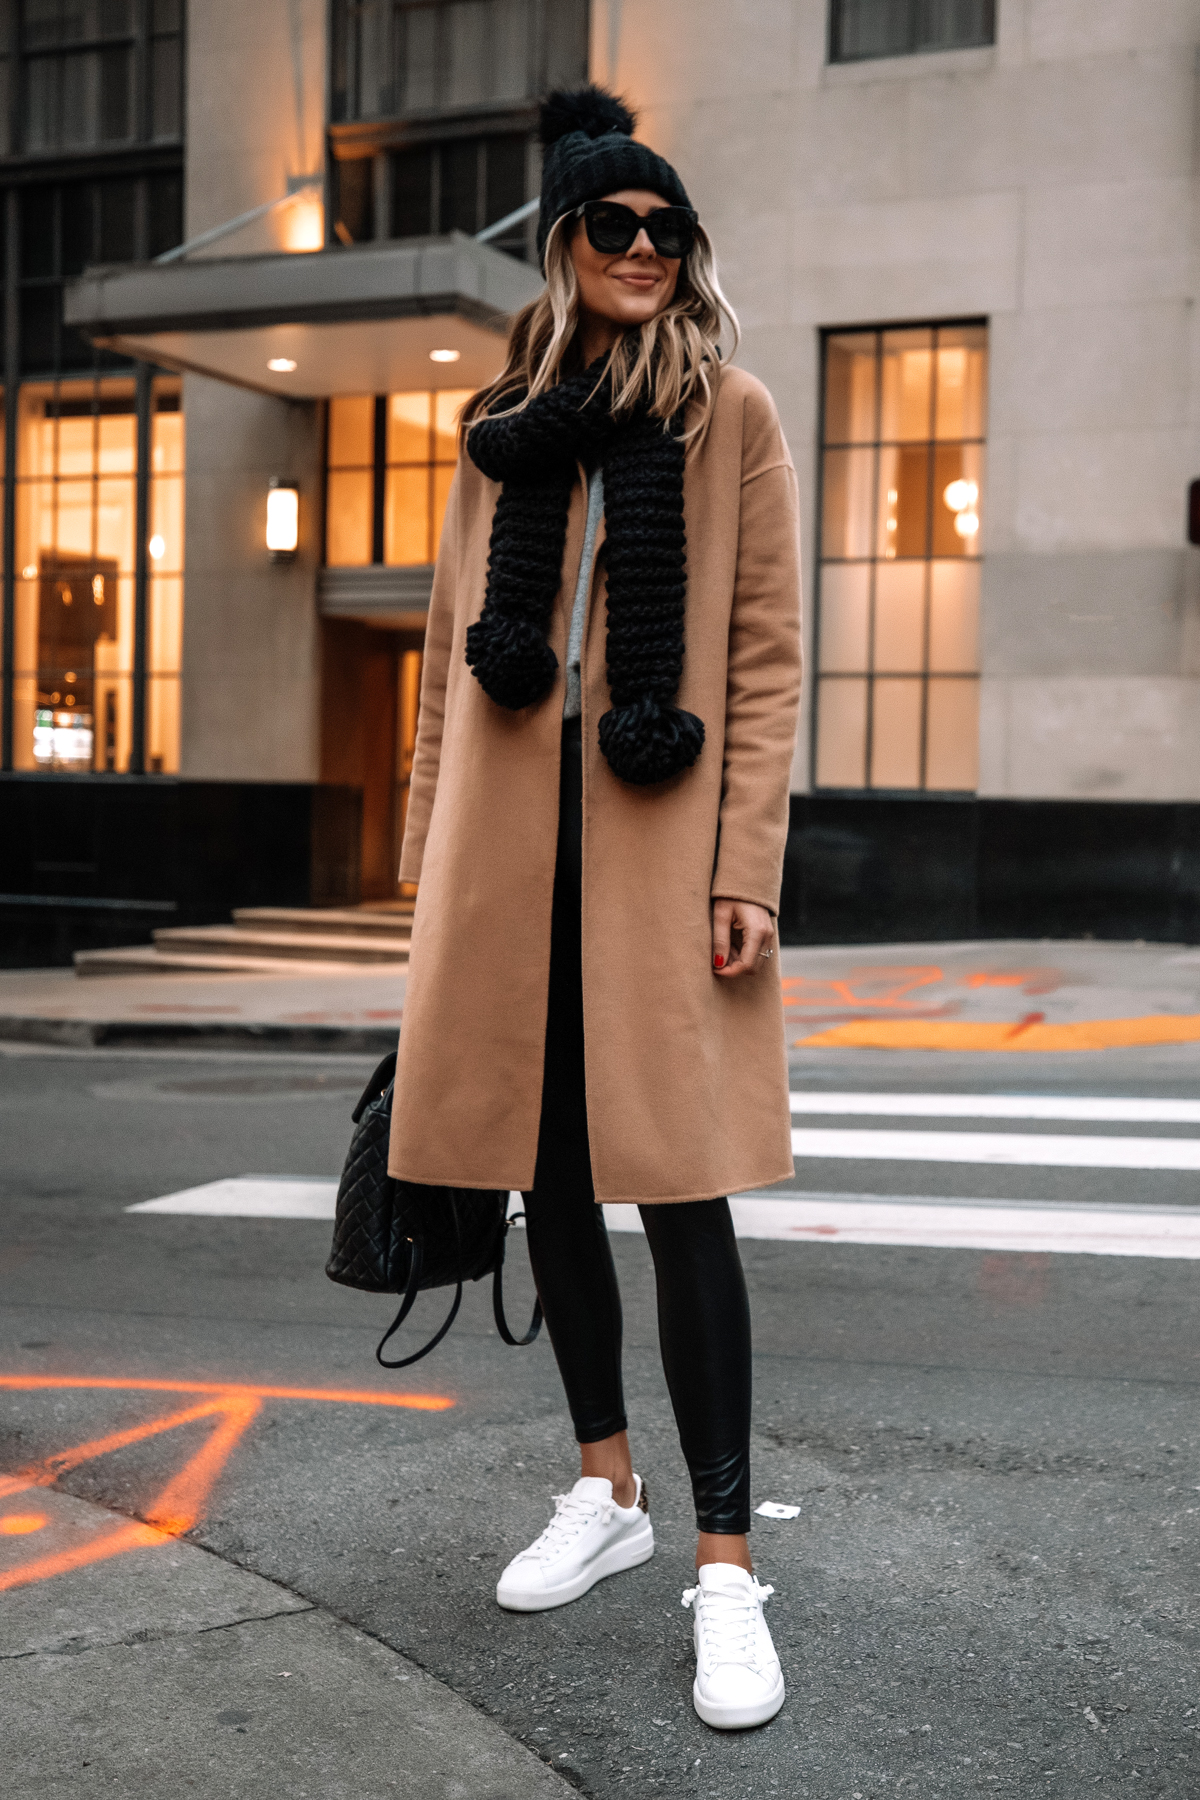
x: 573, y: 705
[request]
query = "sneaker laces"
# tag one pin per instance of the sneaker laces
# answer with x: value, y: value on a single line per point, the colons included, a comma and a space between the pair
x: 572, y: 1515
x: 728, y: 1621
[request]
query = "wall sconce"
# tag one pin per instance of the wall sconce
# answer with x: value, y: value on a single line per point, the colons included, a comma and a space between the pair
x: 283, y: 519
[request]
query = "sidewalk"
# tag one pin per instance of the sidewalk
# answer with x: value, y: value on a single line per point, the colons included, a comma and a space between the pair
x: 349, y: 1011
x: 168, y: 1669
x: 1004, y: 996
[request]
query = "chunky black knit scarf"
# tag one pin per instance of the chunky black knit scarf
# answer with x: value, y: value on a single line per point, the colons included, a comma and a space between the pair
x: 645, y: 737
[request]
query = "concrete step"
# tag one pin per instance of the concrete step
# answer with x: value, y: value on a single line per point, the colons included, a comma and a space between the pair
x: 147, y: 959
x: 297, y: 946
x: 339, y: 922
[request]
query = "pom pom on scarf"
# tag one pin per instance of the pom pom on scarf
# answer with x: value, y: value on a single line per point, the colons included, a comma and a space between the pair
x: 646, y: 742
x: 511, y: 660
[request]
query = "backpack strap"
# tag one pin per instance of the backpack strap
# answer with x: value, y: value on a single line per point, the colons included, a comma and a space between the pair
x: 416, y: 1269
x: 406, y: 1305
x: 381, y: 1079
x: 535, y: 1323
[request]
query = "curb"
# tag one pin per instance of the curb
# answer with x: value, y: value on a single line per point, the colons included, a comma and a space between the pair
x: 172, y: 1034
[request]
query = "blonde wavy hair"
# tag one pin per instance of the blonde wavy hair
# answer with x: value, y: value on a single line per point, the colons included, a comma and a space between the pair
x: 674, y: 355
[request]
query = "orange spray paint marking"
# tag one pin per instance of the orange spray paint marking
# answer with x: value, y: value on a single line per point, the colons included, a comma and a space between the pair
x: 1034, y: 981
x: 965, y: 1034
x: 871, y: 986
x: 44, y: 1474
x: 181, y: 1504
x: 21, y: 1524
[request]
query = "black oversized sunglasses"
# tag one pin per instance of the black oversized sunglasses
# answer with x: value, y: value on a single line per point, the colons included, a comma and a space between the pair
x: 612, y: 228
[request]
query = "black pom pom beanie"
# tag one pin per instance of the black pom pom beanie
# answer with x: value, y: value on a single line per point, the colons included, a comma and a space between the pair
x: 589, y: 151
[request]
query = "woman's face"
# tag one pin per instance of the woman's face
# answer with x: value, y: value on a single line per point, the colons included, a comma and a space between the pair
x: 625, y: 290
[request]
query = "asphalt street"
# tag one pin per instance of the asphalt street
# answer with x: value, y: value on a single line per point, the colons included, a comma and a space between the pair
x: 991, y: 1585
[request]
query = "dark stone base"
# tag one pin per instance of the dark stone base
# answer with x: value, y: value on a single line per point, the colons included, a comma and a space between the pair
x: 900, y: 870
x: 96, y: 861
x: 90, y: 862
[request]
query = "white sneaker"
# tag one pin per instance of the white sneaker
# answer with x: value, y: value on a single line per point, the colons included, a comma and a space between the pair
x: 589, y: 1537
x: 738, y: 1678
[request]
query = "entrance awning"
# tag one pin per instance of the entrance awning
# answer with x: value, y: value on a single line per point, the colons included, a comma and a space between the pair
x: 362, y: 320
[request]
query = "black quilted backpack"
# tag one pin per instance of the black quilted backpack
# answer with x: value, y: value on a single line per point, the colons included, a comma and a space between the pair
x: 396, y: 1237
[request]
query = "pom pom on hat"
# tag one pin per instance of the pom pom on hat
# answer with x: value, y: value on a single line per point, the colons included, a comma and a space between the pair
x: 592, y: 110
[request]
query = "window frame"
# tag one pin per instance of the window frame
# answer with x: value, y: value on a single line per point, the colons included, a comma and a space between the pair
x: 153, y: 594
x: 376, y: 138
x: 139, y: 161
x: 142, y: 40
x: 836, y: 59
x: 866, y: 791
x: 381, y: 465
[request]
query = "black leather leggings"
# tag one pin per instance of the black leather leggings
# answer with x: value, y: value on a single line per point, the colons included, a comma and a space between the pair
x: 703, y: 1310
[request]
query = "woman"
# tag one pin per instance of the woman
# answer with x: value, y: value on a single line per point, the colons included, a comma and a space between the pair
x: 597, y: 820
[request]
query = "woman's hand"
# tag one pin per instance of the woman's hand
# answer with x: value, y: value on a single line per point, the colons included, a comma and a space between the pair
x: 757, y: 930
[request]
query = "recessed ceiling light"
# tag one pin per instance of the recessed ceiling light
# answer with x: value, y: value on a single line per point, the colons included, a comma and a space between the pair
x: 281, y: 365
x: 444, y: 355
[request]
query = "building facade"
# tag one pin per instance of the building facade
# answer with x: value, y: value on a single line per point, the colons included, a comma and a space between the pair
x: 960, y: 238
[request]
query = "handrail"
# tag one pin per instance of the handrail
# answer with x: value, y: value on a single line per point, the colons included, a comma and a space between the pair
x: 258, y: 212
x: 246, y: 218
x: 512, y: 218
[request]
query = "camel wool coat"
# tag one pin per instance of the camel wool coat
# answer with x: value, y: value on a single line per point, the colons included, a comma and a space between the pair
x: 686, y: 1075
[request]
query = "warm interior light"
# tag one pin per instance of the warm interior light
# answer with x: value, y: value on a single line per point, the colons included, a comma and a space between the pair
x: 966, y: 524
x: 959, y: 496
x: 157, y: 547
x: 444, y: 355
x: 281, y: 365
x: 283, y: 518
x: 303, y: 225
x: 29, y: 572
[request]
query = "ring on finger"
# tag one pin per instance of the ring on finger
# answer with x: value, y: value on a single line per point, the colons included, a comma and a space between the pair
x: 765, y: 953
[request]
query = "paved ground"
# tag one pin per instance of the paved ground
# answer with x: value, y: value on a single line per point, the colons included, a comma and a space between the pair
x: 989, y: 996
x: 991, y: 1584
x: 353, y: 1010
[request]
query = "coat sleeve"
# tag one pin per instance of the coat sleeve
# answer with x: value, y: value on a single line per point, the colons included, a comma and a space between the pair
x: 762, y: 700
x: 439, y: 637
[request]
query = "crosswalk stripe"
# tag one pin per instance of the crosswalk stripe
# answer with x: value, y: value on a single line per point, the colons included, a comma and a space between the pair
x: 250, y: 1197
x: 955, y: 1225
x: 796, y: 1218
x: 998, y: 1147
x: 1088, y: 1109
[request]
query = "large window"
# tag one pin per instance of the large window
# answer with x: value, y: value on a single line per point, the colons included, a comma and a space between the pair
x: 83, y: 74
x: 434, y: 107
x: 64, y: 226
x: 91, y: 171
x: 86, y: 628
x: 461, y: 184
x: 393, y: 58
x: 898, y: 612
x: 865, y: 28
x: 390, y: 463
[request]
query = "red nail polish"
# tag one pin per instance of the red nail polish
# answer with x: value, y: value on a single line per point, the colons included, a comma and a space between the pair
x: 718, y: 962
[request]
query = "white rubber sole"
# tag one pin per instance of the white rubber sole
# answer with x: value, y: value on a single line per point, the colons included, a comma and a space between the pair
x: 739, y: 1718
x: 626, y: 1553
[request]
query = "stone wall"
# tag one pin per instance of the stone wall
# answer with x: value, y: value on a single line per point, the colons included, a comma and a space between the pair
x: 1047, y: 183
